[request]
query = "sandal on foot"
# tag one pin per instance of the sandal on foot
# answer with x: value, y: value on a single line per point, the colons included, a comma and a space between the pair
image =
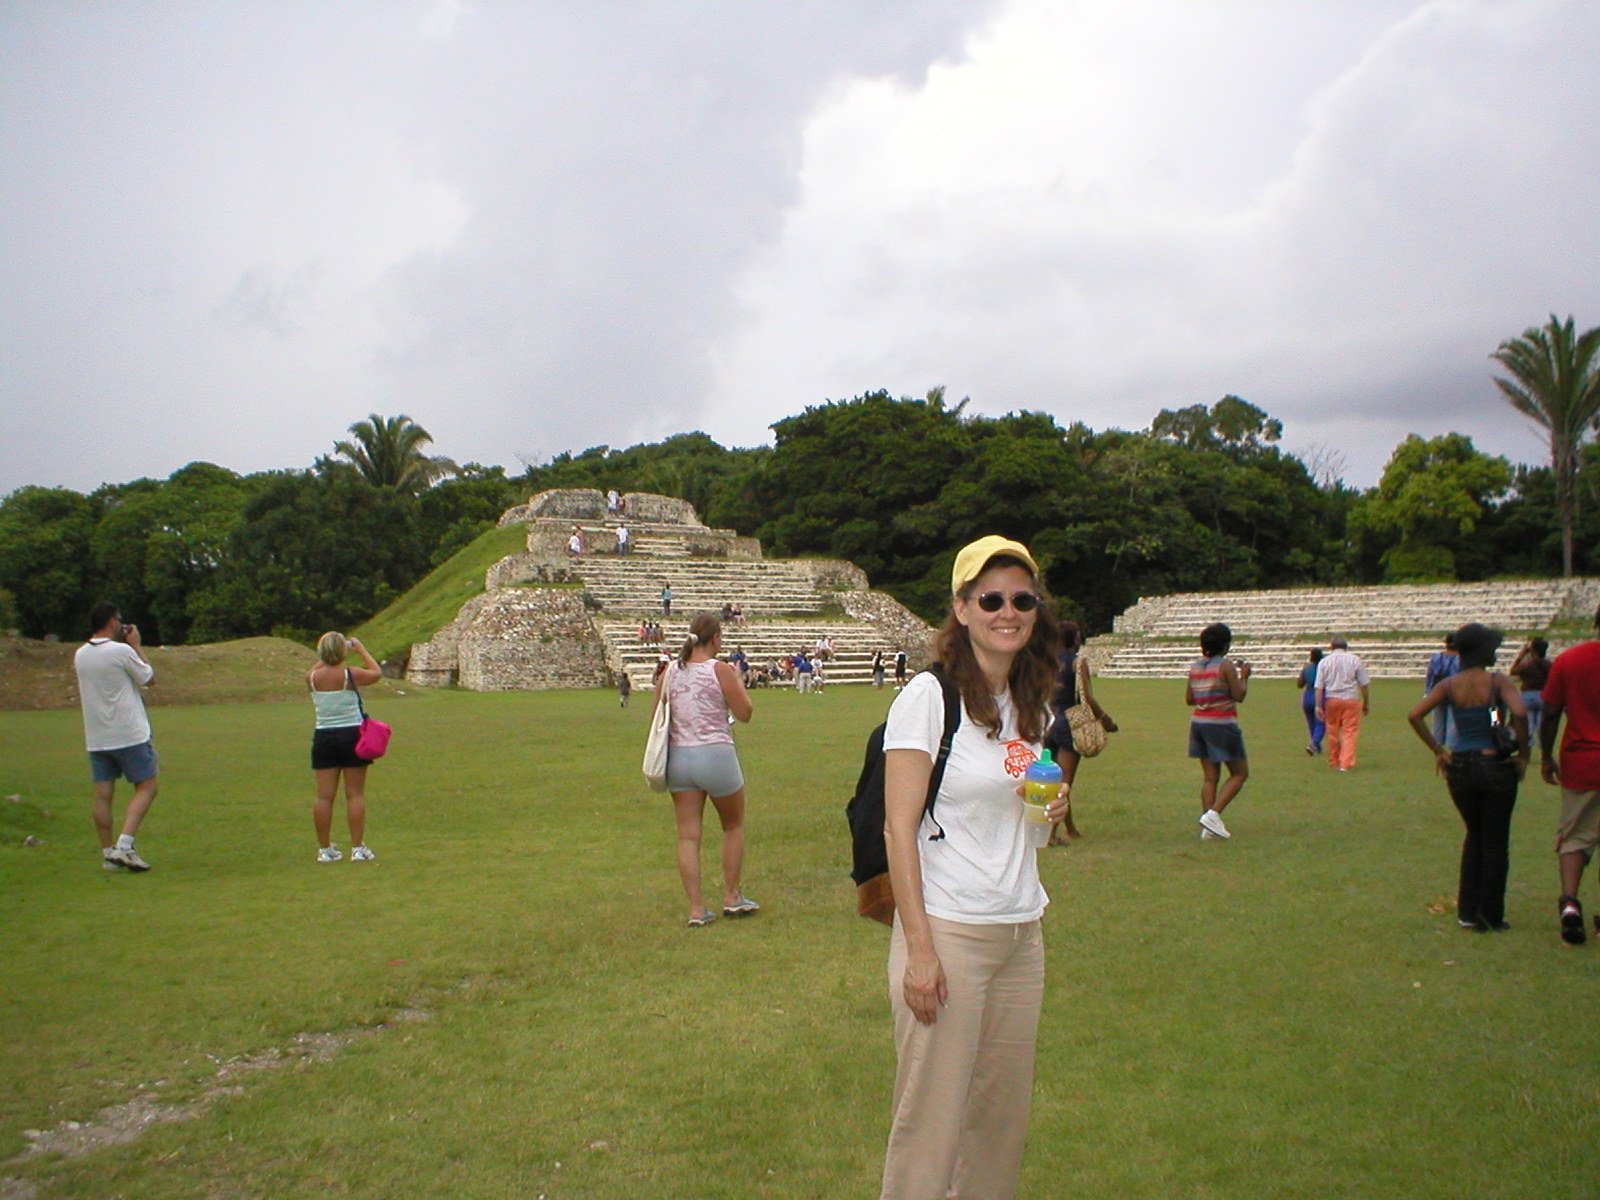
x: 742, y: 907
x: 704, y: 918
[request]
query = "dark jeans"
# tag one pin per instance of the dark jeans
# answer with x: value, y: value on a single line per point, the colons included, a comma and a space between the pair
x: 1484, y: 789
x: 1314, y: 727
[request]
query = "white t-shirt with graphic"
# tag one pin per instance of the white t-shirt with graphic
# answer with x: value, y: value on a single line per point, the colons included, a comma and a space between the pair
x: 983, y: 871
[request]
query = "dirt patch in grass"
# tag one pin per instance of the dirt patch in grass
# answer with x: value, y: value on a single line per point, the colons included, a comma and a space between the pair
x: 35, y: 675
x: 119, y: 1124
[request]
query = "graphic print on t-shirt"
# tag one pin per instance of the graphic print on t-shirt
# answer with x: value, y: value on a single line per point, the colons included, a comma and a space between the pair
x: 1019, y: 757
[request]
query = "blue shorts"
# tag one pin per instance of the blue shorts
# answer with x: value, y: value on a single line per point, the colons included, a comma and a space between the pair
x: 1216, y: 743
x: 712, y: 769
x: 136, y: 763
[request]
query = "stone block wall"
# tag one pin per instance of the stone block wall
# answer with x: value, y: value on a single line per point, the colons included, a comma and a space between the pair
x: 650, y: 509
x: 515, y: 569
x: 833, y: 574
x: 901, y: 629
x: 513, y: 639
x: 588, y: 504
x: 1582, y: 600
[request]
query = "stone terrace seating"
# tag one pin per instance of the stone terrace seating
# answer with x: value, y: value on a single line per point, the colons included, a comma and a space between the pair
x: 1323, y: 611
x: 784, y: 609
x: 1273, y: 630
x: 628, y: 584
x: 1268, y: 658
x: 853, y: 643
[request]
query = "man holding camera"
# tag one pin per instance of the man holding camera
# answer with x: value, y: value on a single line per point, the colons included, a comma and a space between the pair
x: 112, y: 669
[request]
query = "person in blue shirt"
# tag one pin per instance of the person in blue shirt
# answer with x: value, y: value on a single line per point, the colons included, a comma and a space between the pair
x: 1441, y: 666
x: 1481, y: 775
x: 1307, y: 683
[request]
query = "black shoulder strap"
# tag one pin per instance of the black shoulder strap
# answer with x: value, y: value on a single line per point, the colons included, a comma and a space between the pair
x: 350, y: 679
x: 952, y: 721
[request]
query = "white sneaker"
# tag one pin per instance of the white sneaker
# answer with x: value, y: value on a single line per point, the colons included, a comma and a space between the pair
x: 329, y: 854
x: 1211, y: 820
x: 362, y: 854
x: 126, y: 858
x: 1207, y: 836
x: 107, y: 861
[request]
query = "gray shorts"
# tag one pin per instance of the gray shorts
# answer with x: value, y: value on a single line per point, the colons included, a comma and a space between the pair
x: 1216, y: 743
x: 137, y: 763
x: 712, y: 769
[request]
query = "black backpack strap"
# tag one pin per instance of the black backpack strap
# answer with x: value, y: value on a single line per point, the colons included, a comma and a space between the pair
x: 952, y: 721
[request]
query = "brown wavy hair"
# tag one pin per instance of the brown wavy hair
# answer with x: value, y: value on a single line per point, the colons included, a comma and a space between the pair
x: 1033, y: 670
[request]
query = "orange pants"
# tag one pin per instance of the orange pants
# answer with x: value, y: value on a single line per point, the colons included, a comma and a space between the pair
x: 1343, y: 718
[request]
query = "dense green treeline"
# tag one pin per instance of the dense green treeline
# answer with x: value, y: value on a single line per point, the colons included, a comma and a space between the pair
x: 1203, y: 499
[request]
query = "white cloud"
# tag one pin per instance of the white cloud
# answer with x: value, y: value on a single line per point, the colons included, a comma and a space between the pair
x: 234, y: 228
x: 1106, y: 209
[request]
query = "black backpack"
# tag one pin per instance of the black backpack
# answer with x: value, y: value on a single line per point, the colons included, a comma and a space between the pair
x: 870, y: 869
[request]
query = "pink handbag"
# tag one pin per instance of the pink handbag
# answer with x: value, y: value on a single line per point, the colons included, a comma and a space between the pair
x: 374, y: 739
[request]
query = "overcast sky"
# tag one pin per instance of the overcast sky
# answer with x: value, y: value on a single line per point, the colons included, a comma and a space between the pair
x: 233, y: 228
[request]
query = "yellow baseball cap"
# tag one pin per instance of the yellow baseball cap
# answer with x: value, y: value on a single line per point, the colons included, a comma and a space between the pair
x: 972, y: 558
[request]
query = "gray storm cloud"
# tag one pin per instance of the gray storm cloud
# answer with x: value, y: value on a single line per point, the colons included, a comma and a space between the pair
x: 235, y: 228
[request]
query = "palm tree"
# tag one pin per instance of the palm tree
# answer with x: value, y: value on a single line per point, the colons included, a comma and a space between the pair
x: 388, y: 453
x: 1556, y: 384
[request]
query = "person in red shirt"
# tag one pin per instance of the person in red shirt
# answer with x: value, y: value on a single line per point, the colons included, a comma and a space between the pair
x: 1573, y: 691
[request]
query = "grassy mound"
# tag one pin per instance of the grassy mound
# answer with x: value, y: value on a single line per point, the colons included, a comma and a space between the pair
x: 434, y: 602
x: 37, y: 675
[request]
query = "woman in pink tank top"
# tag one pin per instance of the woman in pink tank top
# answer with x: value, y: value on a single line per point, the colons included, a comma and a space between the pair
x: 705, y: 694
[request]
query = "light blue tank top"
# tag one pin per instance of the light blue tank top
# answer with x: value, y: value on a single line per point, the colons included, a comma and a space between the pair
x: 337, y: 710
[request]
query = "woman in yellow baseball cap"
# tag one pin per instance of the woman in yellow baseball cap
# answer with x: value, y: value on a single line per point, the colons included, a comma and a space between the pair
x: 966, y: 958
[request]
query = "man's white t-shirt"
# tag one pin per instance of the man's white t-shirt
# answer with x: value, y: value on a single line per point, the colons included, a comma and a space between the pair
x: 983, y: 871
x: 110, y: 675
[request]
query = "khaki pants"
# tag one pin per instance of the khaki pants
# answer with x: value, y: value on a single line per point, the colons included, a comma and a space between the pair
x: 964, y: 1085
x: 1344, y: 729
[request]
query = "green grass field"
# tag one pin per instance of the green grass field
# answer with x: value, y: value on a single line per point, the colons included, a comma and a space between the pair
x: 508, y: 1004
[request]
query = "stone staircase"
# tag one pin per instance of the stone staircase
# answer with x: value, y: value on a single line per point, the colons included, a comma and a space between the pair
x: 1395, y: 628
x: 762, y: 641
x: 630, y: 584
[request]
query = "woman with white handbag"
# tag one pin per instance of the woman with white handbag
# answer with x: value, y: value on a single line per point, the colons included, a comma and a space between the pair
x: 702, y: 697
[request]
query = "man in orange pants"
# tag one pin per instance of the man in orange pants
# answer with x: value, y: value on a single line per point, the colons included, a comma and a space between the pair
x: 1342, y: 701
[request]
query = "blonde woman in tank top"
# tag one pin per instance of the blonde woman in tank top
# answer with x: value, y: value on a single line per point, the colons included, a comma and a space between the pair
x: 333, y: 746
x: 701, y: 762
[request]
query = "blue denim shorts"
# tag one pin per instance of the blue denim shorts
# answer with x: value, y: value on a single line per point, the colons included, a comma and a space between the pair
x: 136, y: 763
x: 1217, y: 743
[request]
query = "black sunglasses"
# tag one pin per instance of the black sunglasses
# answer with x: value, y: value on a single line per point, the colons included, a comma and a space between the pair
x: 995, y: 601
